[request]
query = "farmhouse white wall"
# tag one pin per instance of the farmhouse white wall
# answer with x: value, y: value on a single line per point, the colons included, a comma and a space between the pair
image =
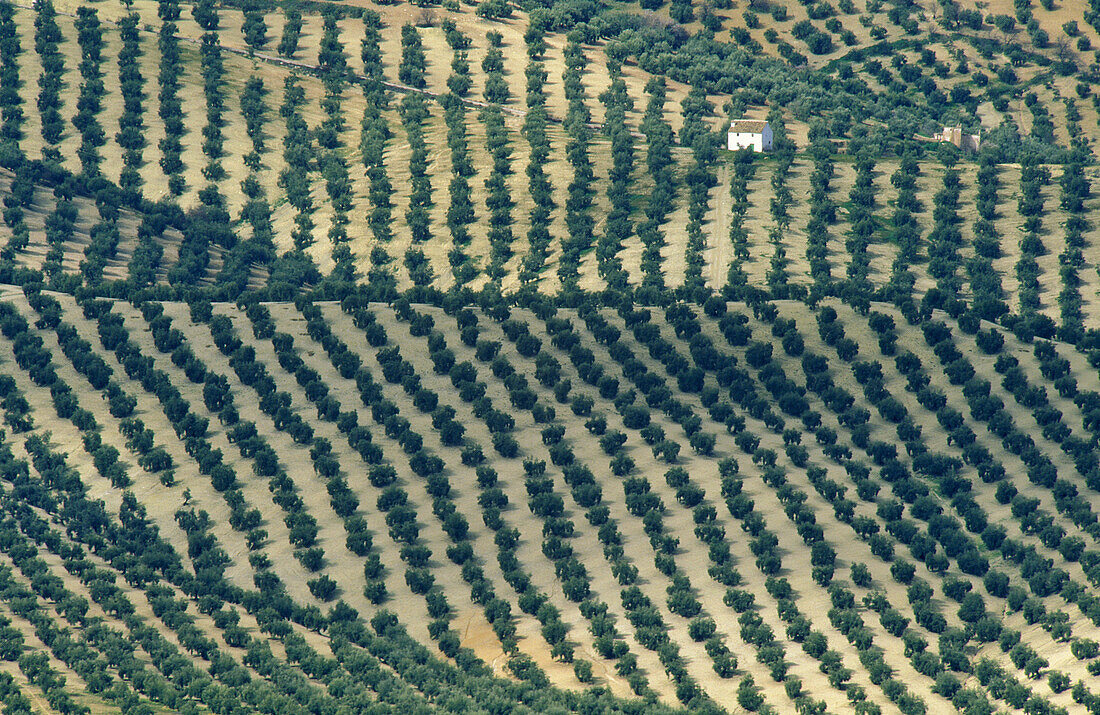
x: 759, y: 141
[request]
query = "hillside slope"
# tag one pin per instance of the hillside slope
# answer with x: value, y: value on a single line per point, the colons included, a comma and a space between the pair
x: 725, y: 511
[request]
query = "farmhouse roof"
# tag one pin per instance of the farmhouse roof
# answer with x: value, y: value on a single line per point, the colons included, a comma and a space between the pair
x: 748, y: 126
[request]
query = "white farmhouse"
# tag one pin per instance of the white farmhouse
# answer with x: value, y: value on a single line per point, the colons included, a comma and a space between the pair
x: 749, y: 134
x: 956, y: 136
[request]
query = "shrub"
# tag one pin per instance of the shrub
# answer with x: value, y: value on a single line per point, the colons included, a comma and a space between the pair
x: 903, y: 571
x: 322, y: 588
x: 700, y: 629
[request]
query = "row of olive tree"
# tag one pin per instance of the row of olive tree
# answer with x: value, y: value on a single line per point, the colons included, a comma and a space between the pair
x: 92, y: 91
x: 659, y: 162
x: 578, y: 205
x: 11, y: 101
x: 171, y: 106
x: 498, y: 199
x: 618, y: 227
x: 47, y: 37
x: 334, y: 170
x: 538, y: 183
x: 375, y: 132
x: 131, y: 124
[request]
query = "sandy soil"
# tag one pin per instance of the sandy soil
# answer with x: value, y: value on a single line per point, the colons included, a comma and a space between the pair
x: 719, y: 251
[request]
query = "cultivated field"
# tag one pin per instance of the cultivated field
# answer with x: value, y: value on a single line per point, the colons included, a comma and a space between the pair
x: 652, y: 509
x: 365, y: 357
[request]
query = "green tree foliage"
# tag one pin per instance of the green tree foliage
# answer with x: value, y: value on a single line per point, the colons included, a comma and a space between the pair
x: 538, y: 183
x: 619, y: 227
x: 131, y: 123
x: 414, y: 112
x: 985, y: 282
x: 298, y: 152
x: 292, y: 32
x: 333, y: 64
x: 47, y: 36
x: 11, y: 101
x: 498, y: 198
x: 578, y: 218
x: 92, y: 90
x: 861, y: 232
x: 660, y: 164
x: 822, y: 209
x: 254, y: 26
x: 496, y: 88
x: 170, y: 106
x: 413, y: 63
x: 700, y: 179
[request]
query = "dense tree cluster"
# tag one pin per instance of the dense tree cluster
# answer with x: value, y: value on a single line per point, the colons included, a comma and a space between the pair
x: 374, y: 134
x: 1033, y: 178
x: 945, y: 240
x: 741, y: 171
x: 254, y: 25
x: 459, y: 81
x: 298, y: 152
x: 213, y: 138
x: 292, y: 32
x: 1075, y: 189
x: 19, y: 198
x: 861, y: 232
x: 59, y: 228
x: 907, y: 232
x: 985, y: 282
x: 256, y: 210
x: 822, y: 210
x: 460, y: 211
x: 413, y: 63
x: 780, y: 207
x: 492, y: 65
x: 102, y: 246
